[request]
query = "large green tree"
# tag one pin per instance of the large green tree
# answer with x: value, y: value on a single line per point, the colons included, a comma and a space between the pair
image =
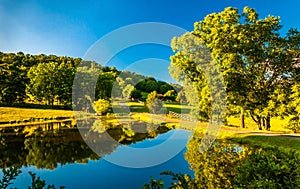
x: 253, y: 58
x: 51, y: 82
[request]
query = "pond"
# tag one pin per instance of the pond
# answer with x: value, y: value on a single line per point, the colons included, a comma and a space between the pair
x: 100, y: 156
x: 104, y: 153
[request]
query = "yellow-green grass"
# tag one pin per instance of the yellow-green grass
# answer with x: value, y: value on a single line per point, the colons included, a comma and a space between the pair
x: 177, y: 107
x: 15, y: 114
x: 234, y: 134
x: 283, y: 142
x: 170, y: 106
x: 137, y: 107
x: 277, y: 124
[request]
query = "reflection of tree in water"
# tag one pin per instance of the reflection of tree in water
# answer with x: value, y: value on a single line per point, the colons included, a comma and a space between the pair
x: 48, y: 152
x: 47, y: 149
x: 216, y: 167
x: 104, y: 137
x: 43, y: 149
x: 227, y: 165
x: 12, y: 149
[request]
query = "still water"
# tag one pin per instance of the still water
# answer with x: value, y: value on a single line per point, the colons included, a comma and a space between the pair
x: 64, y: 157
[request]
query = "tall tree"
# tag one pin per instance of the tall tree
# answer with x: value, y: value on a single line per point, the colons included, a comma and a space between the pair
x: 43, y: 82
x: 253, y: 58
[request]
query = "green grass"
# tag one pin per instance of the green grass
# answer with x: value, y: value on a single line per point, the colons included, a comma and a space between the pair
x: 170, y: 106
x: 285, y: 144
x: 137, y: 107
x: 15, y: 114
x: 177, y: 107
x: 277, y: 124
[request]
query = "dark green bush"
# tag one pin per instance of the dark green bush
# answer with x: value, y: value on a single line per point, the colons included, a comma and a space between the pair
x: 269, y: 168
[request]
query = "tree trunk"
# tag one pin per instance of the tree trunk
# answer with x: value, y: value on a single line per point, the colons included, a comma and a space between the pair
x: 268, y: 123
x: 242, y: 120
x: 257, y: 121
x: 52, y: 103
x: 263, y: 119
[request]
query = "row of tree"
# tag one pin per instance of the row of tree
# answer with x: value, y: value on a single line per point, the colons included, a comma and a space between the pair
x: 259, y: 67
x: 49, y: 79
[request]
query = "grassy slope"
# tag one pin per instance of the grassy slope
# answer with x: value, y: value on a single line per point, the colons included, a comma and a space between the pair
x: 9, y: 114
x: 232, y: 132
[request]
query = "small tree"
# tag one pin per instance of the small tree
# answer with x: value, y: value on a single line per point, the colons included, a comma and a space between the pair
x: 127, y: 91
x: 101, y: 106
x: 136, y: 94
x: 153, y: 103
x: 170, y: 95
x: 293, y: 109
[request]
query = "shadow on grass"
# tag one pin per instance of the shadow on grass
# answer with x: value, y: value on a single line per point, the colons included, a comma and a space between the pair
x: 137, y: 108
x: 285, y: 142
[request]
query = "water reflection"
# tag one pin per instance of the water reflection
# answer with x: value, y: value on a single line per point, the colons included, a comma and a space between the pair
x: 228, y: 165
x: 47, y: 146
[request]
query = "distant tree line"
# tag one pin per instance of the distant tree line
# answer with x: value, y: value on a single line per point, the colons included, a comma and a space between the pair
x: 48, y: 79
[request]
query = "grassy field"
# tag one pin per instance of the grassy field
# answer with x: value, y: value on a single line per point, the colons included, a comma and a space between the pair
x: 170, y: 106
x: 14, y: 114
x: 277, y: 124
x: 283, y: 142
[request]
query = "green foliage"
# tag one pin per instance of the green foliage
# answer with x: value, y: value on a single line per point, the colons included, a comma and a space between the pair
x: 181, y: 97
x: 181, y: 181
x: 136, y: 94
x: 293, y: 109
x: 170, y: 95
x: 50, y: 82
x: 226, y: 165
x: 144, y: 96
x: 9, y: 175
x: 128, y: 89
x: 101, y: 106
x: 294, y: 124
x: 269, y: 168
x: 153, y: 103
x: 154, y: 184
x: 105, y: 84
x: 216, y: 167
x: 253, y: 64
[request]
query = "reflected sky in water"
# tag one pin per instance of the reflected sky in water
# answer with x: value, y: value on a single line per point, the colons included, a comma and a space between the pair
x: 103, y: 174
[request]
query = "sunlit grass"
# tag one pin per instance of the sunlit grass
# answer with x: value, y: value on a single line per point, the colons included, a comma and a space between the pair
x: 177, y: 107
x: 277, y: 124
x: 170, y: 106
x: 281, y: 142
x: 9, y: 113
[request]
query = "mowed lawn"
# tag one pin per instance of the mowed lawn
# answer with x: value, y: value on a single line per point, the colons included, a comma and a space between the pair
x: 170, y: 106
x: 12, y: 114
x: 277, y: 124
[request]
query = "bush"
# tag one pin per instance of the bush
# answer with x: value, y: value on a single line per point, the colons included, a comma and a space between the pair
x: 153, y: 103
x: 269, y: 168
x: 101, y: 106
x: 294, y: 124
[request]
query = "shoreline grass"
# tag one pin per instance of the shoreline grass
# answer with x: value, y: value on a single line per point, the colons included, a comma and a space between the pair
x: 19, y: 114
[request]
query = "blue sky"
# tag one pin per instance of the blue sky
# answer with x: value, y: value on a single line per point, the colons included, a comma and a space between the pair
x: 71, y: 27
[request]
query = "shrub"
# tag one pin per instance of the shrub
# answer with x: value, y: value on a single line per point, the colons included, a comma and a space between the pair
x: 101, y: 106
x: 153, y: 103
x: 269, y: 168
x: 294, y: 124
